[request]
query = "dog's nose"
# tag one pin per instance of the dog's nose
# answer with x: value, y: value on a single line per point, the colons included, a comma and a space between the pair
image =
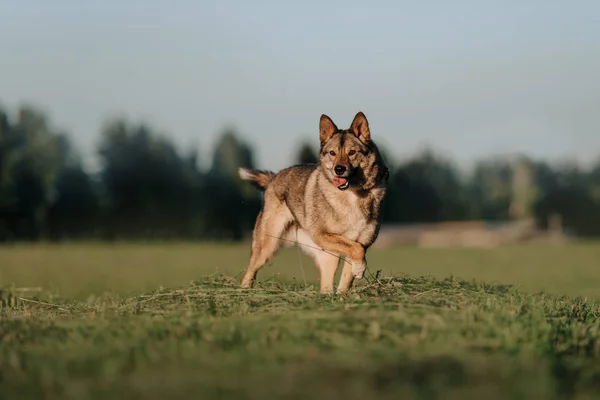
x: 339, y: 169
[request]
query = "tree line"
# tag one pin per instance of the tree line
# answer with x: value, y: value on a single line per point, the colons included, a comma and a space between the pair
x: 146, y: 189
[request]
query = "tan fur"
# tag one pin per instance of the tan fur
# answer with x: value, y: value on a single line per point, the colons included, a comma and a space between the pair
x: 305, y: 204
x: 260, y: 179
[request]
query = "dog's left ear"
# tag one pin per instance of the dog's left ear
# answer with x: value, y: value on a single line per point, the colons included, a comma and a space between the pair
x: 360, y: 127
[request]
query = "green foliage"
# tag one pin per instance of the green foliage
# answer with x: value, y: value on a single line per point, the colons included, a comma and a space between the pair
x: 32, y: 156
x: 146, y: 189
x: 307, y: 154
x: 426, y: 188
x: 489, y: 189
x: 148, y: 186
x: 229, y: 154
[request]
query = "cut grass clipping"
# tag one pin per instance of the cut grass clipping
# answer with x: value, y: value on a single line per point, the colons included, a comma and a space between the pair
x: 413, y: 338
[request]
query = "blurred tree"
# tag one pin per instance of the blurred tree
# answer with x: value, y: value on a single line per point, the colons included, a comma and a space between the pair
x: 425, y: 189
x: 231, y: 204
x: 8, y: 200
x: 32, y: 157
x: 146, y: 189
x: 570, y: 194
x: 524, y: 189
x: 149, y: 187
x: 489, y: 190
x: 229, y: 154
x: 575, y: 205
x: 307, y: 154
x: 409, y: 200
x: 594, y: 181
x: 75, y: 211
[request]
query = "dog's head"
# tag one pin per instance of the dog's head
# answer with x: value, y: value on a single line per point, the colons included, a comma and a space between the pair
x: 349, y: 158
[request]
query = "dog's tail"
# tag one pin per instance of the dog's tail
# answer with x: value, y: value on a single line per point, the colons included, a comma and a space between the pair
x: 259, y: 179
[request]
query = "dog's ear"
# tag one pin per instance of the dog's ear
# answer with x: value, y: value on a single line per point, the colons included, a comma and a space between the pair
x: 360, y: 128
x: 326, y: 128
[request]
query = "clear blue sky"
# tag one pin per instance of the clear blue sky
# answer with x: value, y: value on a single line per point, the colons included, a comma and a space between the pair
x: 470, y: 78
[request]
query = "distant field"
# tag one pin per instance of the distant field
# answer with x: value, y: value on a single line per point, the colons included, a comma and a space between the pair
x: 99, y: 328
x: 78, y: 270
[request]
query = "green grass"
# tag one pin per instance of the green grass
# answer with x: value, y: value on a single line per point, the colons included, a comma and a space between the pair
x: 76, y: 271
x: 101, y: 328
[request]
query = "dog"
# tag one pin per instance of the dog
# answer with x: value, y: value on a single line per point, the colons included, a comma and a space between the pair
x: 331, y: 209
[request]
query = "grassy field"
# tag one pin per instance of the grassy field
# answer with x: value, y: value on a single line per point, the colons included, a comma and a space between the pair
x: 156, y: 321
x: 78, y: 271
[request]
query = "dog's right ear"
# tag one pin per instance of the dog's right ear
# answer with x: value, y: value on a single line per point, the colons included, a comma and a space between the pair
x: 326, y: 128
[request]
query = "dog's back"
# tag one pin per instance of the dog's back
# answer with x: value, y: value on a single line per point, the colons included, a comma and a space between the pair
x: 289, y: 186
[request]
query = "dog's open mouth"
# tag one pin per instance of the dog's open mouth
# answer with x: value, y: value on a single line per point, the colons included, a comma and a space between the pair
x: 341, y: 183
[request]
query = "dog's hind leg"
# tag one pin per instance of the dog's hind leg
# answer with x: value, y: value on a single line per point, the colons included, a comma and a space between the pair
x: 271, y: 225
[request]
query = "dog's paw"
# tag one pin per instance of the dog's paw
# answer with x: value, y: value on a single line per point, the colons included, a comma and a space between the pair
x: 359, y: 268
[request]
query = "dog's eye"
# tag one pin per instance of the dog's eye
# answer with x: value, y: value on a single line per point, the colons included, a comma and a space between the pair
x: 352, y: 152
x: 332, y: 153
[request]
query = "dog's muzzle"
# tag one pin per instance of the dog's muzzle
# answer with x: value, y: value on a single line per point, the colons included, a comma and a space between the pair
x: 341, y: 183
x: 339, y: 180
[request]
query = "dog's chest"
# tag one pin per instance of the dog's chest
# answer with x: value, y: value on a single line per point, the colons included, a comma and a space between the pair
x: 356, y: 217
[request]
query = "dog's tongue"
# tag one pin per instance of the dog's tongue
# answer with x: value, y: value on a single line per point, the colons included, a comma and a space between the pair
x: 337, y: 181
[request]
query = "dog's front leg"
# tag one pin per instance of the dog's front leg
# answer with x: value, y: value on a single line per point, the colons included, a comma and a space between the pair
x: 346, y: 279
x: 342, y: 245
